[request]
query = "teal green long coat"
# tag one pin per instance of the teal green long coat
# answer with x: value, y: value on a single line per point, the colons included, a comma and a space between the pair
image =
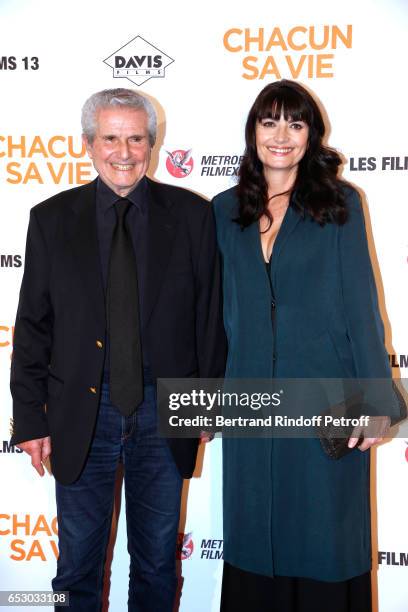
x: 289, y: 509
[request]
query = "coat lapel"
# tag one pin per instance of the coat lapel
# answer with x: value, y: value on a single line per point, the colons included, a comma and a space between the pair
x: 162, y: 225
x: 289, y: 223
x: 254, y: 239
x: 85, y: 245
x: 251, y: 238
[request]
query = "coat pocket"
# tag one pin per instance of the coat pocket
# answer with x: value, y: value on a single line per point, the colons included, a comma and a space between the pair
x: 322, y: 357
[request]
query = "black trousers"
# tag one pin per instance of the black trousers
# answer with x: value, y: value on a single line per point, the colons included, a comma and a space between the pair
x: 246, y: 592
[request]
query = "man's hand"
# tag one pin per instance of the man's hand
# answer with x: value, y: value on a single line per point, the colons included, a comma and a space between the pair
x: 38, y: 450
x: 377, y: 428
x: 206, y: 436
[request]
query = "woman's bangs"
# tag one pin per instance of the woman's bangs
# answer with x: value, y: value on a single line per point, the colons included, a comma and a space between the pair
x: 284, y: 101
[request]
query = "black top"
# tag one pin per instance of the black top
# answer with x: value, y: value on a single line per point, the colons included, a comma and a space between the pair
x: 136, y: 221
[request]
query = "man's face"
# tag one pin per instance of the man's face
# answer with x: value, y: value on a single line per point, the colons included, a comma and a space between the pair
x: 120, y: 151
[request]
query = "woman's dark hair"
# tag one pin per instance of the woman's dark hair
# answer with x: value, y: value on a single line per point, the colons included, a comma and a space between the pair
x: 317, y: 191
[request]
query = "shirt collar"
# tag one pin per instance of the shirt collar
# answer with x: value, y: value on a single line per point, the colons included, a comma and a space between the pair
x: 107, y: 198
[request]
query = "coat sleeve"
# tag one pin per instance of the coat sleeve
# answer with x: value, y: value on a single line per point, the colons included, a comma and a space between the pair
x: 364, y: 325
x: 365, y: 329
x: 210, y: 334
x: 32, y: 341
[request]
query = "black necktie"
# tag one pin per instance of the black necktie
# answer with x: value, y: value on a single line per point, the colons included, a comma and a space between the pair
x: 126, y: 370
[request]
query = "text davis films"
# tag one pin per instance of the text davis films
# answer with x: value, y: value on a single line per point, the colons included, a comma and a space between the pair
x: 138, y: 61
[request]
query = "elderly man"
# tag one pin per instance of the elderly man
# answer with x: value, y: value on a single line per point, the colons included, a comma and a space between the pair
x: 121, y: 286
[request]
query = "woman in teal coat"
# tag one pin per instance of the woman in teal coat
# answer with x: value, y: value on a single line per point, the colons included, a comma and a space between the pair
x: 299, y: 302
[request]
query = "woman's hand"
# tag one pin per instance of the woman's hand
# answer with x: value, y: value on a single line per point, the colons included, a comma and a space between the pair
x: 376, y: 429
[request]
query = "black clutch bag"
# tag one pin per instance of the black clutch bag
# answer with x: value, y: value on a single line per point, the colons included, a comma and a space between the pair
x: 334, y: 438
x: 333, y: 446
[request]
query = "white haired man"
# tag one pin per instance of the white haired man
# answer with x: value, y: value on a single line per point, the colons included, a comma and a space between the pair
x: 121, y: 287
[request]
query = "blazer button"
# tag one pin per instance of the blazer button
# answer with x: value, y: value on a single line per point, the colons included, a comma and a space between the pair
x: 92, y: 389
x: 99, y: 344
x: 273, y: 305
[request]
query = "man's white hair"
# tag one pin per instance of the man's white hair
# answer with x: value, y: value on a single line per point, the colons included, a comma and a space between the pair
x: 122, y: 98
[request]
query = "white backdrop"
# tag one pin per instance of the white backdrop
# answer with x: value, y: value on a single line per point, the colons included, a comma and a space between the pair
x: 358, y: 73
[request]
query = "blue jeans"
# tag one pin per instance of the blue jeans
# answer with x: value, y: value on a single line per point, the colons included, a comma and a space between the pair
x: 152, y: 490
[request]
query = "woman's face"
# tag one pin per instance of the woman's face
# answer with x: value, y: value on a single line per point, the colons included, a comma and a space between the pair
x: 281, y: 144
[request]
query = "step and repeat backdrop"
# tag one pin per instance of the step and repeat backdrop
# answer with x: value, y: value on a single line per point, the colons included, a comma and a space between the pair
x: 202, y: 65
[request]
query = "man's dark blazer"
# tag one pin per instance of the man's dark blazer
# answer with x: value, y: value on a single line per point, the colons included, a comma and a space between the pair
x: 59, y: 338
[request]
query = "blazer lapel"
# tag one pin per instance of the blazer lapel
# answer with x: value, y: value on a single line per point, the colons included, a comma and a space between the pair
x: 162, y: 225
x: 86, y: 248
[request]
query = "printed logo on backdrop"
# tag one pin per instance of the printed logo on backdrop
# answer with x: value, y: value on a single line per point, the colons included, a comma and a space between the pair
x: 6, y: 336
x: 39, y: 160
x: 406, y: 452
x: 179, y: 163
x: 6, y: 448
x: 393, y: 558
x: 212, y: 549
x: 11, y: 62
x: 138, y: 61
x: 10, y: 261
x: 185, y: 546
x: 28, y: 537
x: 301, y: 52
x: 398, y: 361
x: 370, y: 163
x: 220, y: 165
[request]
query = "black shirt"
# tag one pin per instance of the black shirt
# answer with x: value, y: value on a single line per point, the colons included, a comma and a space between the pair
x: 136, y: 222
